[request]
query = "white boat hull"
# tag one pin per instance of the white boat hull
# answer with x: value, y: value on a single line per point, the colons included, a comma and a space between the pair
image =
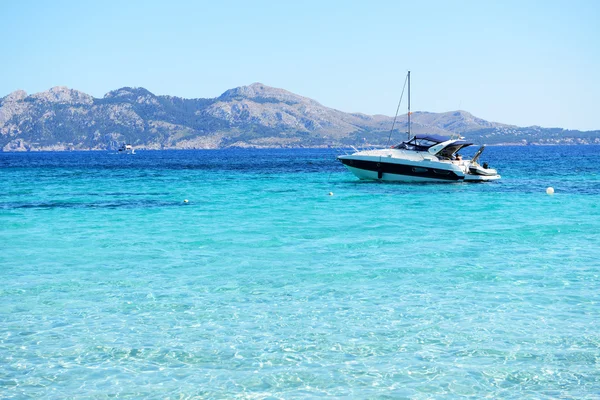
x: 391, y: 177
x: 401, y: 166
x: 481, y: 178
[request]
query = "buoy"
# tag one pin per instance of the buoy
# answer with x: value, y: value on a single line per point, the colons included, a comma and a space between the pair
x: 185, y: 201
x: 331, y: 193
x: 550, y: 190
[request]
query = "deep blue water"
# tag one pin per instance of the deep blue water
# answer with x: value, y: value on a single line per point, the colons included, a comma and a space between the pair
x: 265, y: 286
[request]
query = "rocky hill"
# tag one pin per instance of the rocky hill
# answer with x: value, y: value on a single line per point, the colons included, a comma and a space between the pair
x: 248, y: 116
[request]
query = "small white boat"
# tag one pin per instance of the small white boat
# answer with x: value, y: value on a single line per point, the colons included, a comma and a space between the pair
x: 126, y: 149
x: 422, y: 158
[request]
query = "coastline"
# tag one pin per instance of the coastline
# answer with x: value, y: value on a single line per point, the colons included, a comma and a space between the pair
x: 61, y: 149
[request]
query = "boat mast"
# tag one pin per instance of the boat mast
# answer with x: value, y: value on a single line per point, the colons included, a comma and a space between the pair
x: 408, y: 133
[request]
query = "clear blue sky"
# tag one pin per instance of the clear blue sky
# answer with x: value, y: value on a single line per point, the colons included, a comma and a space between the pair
x: 517, y: 62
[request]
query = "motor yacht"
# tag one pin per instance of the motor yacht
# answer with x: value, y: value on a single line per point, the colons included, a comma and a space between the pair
x: 126, y: 149
x: 421, y: 158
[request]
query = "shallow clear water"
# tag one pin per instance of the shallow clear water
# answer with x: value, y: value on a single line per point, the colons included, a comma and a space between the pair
x: 263, y: 285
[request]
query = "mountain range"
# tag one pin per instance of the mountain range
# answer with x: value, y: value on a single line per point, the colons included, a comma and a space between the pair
x: 256, y: 116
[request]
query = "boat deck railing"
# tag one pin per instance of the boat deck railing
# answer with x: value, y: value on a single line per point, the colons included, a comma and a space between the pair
x: 354, y: 149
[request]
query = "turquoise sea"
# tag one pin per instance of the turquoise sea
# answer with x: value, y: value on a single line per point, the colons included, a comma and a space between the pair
x: 263, y: 285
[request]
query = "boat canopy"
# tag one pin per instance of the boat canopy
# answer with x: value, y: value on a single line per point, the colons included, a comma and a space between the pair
x: 433, y: 138
x: 423, y: 142
x: 440, y: 139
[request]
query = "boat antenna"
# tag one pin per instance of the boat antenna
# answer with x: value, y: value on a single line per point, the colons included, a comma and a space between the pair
x: 398, y: 109
x: 408, y: 133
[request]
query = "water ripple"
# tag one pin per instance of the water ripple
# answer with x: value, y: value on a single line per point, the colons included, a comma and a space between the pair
x: 265, y: 286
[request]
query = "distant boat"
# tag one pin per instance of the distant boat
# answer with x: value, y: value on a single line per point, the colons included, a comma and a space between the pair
x: 422, y: 158
x: 126, y: 149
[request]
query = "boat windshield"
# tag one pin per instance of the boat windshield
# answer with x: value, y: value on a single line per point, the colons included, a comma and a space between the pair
x: 420, y: 142
x: 449, y: 151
